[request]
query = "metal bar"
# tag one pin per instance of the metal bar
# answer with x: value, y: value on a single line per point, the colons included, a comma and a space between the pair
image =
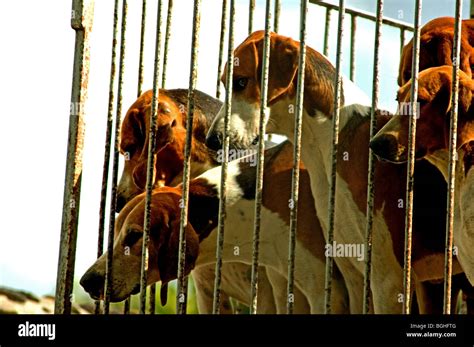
x: 169, y: 18
x: 335, y: 142
x: 327, y: 28
x: 141, y: 68
x: 260, y: 161
x: 81, y: 21
x: 152, y: 307
x: 225, y: 149
x: 108, y: 140
x: 352, y: 70
x: 411, y: 161
x: 220, y: 65
x: 402, y: 40
x: 150, y: 161
x: 276, y: 19
x: 453, y: 131
x: 366, y: 15
x: 371, y: 168
x: 251, y: 12
x: 113, y: 197
x: 295, y: 179
x: 181, y: 295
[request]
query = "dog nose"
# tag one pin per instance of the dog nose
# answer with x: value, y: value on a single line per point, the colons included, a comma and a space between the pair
x: 214, y: 141
x: 93, y: 283
x: 384, y: 146
x: 120, y: 203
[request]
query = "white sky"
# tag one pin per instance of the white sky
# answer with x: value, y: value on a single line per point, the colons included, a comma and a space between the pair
x: 35, y: 85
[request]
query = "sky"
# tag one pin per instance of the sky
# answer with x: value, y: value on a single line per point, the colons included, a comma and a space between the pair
x: 35, y: 88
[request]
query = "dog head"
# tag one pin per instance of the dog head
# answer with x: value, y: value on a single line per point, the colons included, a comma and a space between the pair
x: 434, y: 113
x: 127, y: 250
x: 134, y: 142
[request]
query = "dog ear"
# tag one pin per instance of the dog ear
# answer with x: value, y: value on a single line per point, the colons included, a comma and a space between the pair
x: 283, y: 66
x: 139, y: 173
x: 168, y: 252
x: 133, y: 131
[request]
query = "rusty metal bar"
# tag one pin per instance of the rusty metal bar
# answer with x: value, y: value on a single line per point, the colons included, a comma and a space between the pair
x: 453, y: 131
x: 260, y: 162
x: 327, y: 29
x: 411, y: 161
x: 402, y: 39
x: 141, y: 68
x: 276, y: 19
x: 335, y: 142
x: 295, y: 179
x: 169, y: 17
x: 352, y: 69
x: 181, y: 295
x: 108, y: 140
x: 150, y: 161
x: 81, y: 21
x: 220, y: 65
x: 251, y: 12
x: 372, y: 160
x: 113, y: 197
x: 364, y: 14
x: 225, y: 150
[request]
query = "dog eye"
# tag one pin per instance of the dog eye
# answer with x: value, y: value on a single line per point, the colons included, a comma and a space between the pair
x: 132, y: 237
x: 240, y: 84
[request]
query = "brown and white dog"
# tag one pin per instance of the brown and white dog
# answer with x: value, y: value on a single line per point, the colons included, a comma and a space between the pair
x: 170, y: 139
x: 201, y: 239
x: 436, y: 46
x: 351, y: 198
x: 432, y: 143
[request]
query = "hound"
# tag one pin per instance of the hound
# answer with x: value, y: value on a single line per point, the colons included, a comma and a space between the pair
x: 432, y: 143
x: 201, y: 237
x: 436, y: 46
x: 351, y: 199
x: 170, y: 140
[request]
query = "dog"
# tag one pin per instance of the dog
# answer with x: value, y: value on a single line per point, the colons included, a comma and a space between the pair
x: 201, y: 237
x: 351, y: 199
x: 436, y: 46
x: 169, y: 156
x: 432, y: 143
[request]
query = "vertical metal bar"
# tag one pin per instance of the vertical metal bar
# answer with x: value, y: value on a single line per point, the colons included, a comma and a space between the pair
x: 327, y: 28
x: 371, y: 168
x: 295, y: 179
x: 108, y: 140
x: 448, y: 265
x: 113, y: 197
x: 402, y: 39
x: 141, y: 69
x: 225, y: 149
x: 81, y: 21
x: 260, y: 161
x: 411, y: 161
x: 276, y: 19
x: 141, y: 65
x: 169, y: 18
x: 335, y: 142
x: 251, y: 11
x: 150, y: 161
x: 353, y: 48
x: 220, y: 65
x: 181, y: 296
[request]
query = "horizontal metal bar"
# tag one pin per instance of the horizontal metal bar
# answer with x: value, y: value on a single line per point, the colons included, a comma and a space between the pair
x: 366, y: 15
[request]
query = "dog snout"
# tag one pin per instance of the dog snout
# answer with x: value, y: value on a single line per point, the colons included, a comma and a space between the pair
x: 93, y: 283
x: 386, y: 147
x: 214, y: 141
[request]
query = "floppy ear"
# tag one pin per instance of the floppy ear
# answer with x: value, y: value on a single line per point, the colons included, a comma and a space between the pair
x: 133, y: 129
x: 139, y: 174
x: 282, y: 69
x: 466, y: 114
x: 168, y: 252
